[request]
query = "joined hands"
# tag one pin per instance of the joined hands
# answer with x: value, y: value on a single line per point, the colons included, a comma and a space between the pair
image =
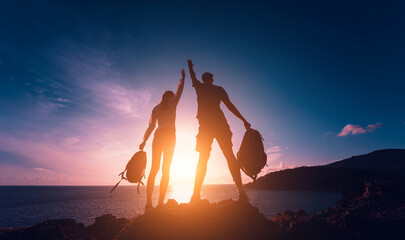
x: 247, y: 125
x: 190, y: 63
x: 142, y: 145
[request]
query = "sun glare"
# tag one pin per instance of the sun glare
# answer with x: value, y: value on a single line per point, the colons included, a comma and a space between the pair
x: 184, y: 164
x: 182, y: 170
x: 184, y: 160
x: 181, y: 193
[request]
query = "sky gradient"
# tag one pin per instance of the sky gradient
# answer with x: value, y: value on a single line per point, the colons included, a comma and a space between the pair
x: 320, y: 80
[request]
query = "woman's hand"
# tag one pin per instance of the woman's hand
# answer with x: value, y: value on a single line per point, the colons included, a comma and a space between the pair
x: 247, y: 125
x: 142, y: 145
x: 183, y: 74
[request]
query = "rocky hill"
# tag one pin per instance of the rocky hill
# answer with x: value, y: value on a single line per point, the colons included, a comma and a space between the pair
x: 387, y: 161
x: 378, y: 165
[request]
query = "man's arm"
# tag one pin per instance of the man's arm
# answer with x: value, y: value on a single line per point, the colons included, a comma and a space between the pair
x: 180, y: 88
x: 152, y: 125
x: 192, y: 73
x: 233, y: 109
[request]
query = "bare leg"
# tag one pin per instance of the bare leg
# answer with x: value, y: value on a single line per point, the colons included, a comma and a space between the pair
x: 234, y: 168
x: 156, y: 156
x: 200, y: 173
x: 164, y: 182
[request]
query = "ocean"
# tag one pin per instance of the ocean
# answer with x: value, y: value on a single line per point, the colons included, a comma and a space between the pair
x: 28, y: 205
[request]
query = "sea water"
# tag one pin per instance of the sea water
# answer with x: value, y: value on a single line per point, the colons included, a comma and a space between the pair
x: 28, y: 205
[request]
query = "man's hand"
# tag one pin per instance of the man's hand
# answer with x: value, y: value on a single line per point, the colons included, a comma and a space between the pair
x: 192, y: 73
x: 190, y: 63
x: 247, y: 125
x: 183, y: 74
x: 142, y: 145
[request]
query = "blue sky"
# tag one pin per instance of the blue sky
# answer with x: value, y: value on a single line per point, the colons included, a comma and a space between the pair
x: 320, y: 80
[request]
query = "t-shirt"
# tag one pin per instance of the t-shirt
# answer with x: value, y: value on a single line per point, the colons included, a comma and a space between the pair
x: 164, y: 115
x: 209, y: 98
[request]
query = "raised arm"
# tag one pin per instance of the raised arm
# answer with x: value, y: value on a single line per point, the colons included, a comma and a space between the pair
x: 233, y: 109
x: 180, y: 87
x: 151, y: 127
x: 192, y: 73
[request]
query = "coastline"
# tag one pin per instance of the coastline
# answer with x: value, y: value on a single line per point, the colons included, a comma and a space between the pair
x: 374, y: 213
x: 27, y: 206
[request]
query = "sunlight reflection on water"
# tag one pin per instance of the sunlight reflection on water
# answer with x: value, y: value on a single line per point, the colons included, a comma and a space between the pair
x: 181, y: 193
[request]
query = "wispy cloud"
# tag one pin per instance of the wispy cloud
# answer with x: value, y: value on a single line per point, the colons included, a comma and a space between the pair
x: 93, y: 72
x: 277, y: 167
x: 42, y: 170
x: 72, y: 140
x: 47, y: 107
x: 64, y: 100
x: 273, y: 153
x: 283, y: 166
x: 273, y: 149
x: 351, y: 129
x: 122, y: 99
x: 275, y: 161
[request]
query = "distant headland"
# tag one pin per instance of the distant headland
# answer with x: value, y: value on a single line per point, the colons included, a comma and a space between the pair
x: 353, y: 171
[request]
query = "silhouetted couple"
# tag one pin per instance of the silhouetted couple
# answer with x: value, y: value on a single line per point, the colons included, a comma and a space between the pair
x: 212, y: 123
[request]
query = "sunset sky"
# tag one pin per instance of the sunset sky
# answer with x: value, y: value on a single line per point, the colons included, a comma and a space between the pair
x: 320, y: 80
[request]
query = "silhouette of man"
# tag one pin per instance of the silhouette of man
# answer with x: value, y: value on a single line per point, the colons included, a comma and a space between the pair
x: 213, y: 124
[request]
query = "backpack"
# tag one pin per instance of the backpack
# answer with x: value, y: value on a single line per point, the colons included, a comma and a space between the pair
x: 251, y: 155
x: 135, y: 170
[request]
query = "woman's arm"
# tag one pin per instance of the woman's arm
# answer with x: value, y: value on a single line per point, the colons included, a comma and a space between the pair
x: 152, y: 125
x: 180, y: 88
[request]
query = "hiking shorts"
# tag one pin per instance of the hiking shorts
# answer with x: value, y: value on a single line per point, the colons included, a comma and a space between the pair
x: 164, y: 141
x: 207, y: 132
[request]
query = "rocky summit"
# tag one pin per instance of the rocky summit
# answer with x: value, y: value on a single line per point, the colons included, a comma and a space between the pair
x: 377, y: 211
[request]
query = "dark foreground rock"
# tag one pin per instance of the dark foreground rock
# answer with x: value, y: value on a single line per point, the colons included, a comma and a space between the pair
x: 224, y: 220
x: 377, y: 212
x: 104, y: 227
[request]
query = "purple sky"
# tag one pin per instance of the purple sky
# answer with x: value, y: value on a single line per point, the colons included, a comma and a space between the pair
x: 321, y: 81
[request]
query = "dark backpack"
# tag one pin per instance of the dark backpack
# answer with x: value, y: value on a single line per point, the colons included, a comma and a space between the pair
x: 251, y: 155
x: 135, y: 170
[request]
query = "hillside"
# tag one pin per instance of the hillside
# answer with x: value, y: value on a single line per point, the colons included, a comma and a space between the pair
x: 387, y: 160
x: 319, y: 178
x: 378, y: 165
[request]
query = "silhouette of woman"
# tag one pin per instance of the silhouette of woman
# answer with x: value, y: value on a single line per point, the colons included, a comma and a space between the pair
x: 163, y: 142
